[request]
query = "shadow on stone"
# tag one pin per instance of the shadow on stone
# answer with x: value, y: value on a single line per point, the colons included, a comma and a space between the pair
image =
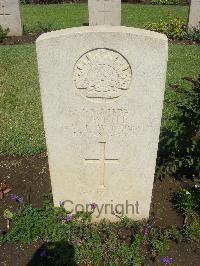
x: 85, y: 24
x: 58, y: 253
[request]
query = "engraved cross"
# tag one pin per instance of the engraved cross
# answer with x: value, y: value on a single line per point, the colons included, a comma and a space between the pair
x: 103, y: 161
x: 105, y: 12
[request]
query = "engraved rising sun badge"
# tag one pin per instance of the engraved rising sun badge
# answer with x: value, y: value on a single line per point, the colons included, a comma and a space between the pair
x: 102, y: 75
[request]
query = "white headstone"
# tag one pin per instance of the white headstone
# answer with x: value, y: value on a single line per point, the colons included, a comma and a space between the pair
x: 104, y: 12
x: 102, y: 107
x: 194, y: 15
x: 10, y: 17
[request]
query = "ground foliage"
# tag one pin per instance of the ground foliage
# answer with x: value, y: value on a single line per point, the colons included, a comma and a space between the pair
x: 179, y: 147
x: 165, y: 2
x: 3, y: 33
x: 69, y: 236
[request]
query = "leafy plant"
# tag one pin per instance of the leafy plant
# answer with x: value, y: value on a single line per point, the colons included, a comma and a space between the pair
x: 8, y: 214
x: 165, y: 2
x: 188, y: 201
x: 159, y: 241
x: 91, y: 242
x: 174, y: 28
x: 45, y: 223
x: 175, y: 234
x: 179, y: 147
x: 25, y: 2
x: 69, y: 241
x: 3, y: 33
x: 194, y: 33
x: 192, y: 230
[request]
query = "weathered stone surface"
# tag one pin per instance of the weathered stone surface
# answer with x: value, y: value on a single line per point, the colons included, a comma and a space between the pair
x: 10, y: 17
x: 194, y: 15
x: 102, y: 95
x: 104, y: 12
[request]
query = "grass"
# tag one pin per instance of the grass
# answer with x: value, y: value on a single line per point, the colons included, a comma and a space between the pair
x: 20, y: 108
x: 139, y: 15
x: 184, y: 60
x: 52, y: 17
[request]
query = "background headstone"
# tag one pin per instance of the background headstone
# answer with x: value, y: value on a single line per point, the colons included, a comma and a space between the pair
x: 104, y: 12
x: 102, y: 107
x: 10, y: 17
x: 194, y: 14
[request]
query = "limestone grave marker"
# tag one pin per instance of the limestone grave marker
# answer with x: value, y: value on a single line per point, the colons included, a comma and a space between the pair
x: 10, y: 17
x: 104, y: 12
x: 102, y: 106
x: 194, y: 14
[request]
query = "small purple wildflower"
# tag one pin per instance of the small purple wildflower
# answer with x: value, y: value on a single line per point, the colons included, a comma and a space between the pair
x: 17, y: 210
x: 93, y: 206
x: 43, y: 253
x: 166, y: 261
x: 146, y: 231
x: 61, y: 203
x: 145, y: 242
x: 16, y: 198
x: 13, y: 197
x: 83, y: 238
x: 69, y: 218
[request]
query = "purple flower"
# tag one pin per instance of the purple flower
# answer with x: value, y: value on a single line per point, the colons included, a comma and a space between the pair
x: 61, y: 203
x: 166, y: 260
x: 69, y: 218
x: 83, y: 238
x: 145, y: 242
x: 42, y: 253
x: 13, y: 197
x: 93, y: 206
x: 17, y: 210
x: 146, y: 231
x: 16, y: 198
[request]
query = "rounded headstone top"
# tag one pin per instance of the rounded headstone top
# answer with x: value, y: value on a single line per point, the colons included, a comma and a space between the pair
x: 102, y: 29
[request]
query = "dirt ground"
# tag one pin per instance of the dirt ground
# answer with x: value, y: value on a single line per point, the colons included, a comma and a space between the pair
x: 29, y: 177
